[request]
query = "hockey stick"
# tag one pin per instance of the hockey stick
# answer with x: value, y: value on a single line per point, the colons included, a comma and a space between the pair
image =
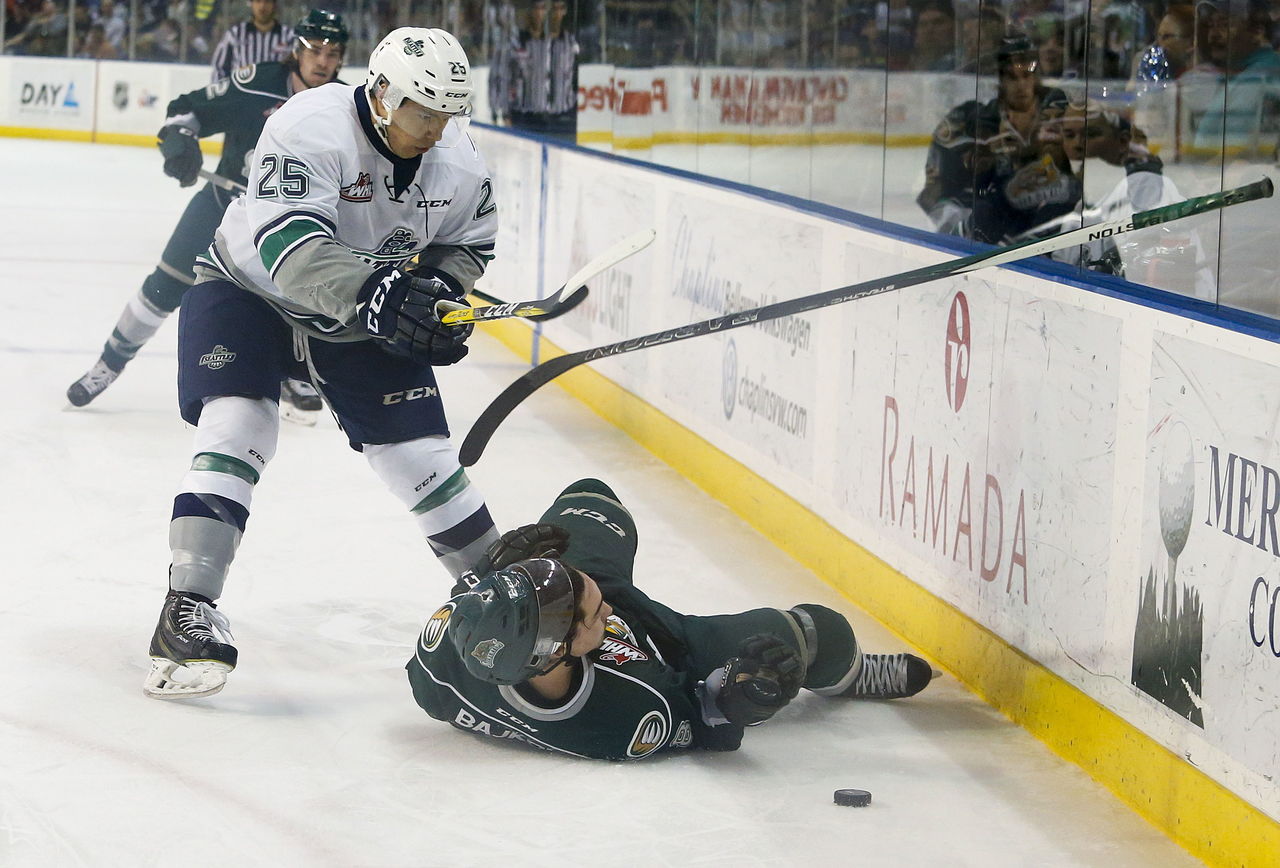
x: 489, y: 420
x: 568, y: 296
x: 224, y: 183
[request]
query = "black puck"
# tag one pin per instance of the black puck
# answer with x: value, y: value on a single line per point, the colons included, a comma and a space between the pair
x: 853, y: 798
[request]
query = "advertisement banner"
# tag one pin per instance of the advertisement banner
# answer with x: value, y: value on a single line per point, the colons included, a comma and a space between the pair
x: 1206, y: 601
x: 51, y: 93
x: 983, y: 423
x: 755, y: 384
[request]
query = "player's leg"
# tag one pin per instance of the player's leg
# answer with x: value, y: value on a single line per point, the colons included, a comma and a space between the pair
x: 602, y: 533
x: 233, y: 351
x: 160, y: 295
x: 390, y: 409
x: 838, y: 667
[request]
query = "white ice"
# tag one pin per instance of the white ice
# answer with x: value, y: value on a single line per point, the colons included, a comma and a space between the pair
x: 315, y: 754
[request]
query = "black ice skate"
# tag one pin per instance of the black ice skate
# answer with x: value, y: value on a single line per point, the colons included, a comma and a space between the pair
x: 300, y: 402
x: 92, y: 384
x: 889, y: 676
x: 191, y: 650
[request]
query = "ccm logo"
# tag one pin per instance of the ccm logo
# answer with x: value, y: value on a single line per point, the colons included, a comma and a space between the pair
x: 410, y: 395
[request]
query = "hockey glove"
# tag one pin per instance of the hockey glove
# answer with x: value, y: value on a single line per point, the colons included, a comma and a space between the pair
x: 529, y: 541
x: 405, y: 311
x: 181, y: 151
x: 764, y: 677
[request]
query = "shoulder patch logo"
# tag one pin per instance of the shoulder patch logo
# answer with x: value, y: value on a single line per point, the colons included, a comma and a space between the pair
x: 649, y: 735
x: 360, y: 190
x: 487, y: 652
x: 220, y: 357
x: 434, y: 631
x: 618, y: 653
x: 244, y: 74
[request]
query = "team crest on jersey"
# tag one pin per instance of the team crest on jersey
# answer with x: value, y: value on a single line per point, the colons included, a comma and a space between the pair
x: 220, y: 357
x: 683, y: 736
x: 359, y: 191
x: 435, y: 628
x: 398, y: 243
x: 487, y: 652
x: 244, y: 74
x: 618, y: 653
x: 649, y: 735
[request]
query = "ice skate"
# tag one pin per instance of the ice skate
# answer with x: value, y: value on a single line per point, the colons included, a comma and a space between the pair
x: 890, y: 676
x: 191, y: 650
x: 300, y: 402
x: 92, y: 384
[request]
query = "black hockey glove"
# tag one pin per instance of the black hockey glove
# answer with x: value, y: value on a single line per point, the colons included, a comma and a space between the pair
x: 764, y: 677
x: 181, y: 151
x: 529, y: 541
x: 401, y: 310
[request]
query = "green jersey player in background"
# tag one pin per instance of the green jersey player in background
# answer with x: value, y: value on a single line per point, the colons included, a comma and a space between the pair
x: 237, y: 106
x: 307, y: 277
x: 548, y: 642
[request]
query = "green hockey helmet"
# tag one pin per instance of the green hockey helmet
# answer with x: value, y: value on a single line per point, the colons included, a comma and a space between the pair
x: 512, y: 623
x: 321, y: 26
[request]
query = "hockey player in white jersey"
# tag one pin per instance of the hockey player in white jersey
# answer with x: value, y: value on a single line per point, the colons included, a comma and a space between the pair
x: 308, y: 276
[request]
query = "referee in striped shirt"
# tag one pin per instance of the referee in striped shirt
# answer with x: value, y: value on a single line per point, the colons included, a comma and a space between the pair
x: 257, y: 40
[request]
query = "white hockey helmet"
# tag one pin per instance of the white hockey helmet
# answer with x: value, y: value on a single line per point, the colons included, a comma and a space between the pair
x: 424, y: 65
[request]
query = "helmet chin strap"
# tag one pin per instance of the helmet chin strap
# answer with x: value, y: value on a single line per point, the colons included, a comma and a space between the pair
x: 380, y: 123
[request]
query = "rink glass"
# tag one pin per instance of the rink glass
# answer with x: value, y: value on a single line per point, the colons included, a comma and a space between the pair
x: 1199, y: 81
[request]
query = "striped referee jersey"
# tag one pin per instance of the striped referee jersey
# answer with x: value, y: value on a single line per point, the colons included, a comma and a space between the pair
x: 244, y: 44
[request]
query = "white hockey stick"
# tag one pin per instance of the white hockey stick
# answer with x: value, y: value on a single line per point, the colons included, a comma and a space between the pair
x: 224, y: 183
x: 564, y: 299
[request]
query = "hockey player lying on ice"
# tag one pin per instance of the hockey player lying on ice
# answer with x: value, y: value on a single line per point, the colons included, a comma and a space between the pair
x: 548, y: 642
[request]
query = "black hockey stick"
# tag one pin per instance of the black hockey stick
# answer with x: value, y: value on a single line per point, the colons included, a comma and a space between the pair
x: 572, y: 293
x: 489, y: 420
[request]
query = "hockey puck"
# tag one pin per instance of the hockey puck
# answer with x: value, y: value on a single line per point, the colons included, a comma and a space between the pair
x: 853, y: 798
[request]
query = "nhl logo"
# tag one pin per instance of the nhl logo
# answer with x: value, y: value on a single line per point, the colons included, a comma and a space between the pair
x: 120, y: 96
x: 413, y: 46
x: 219, y: 358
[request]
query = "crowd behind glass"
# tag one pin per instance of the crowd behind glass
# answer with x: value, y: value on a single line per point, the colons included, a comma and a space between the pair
x: 1087, y: 67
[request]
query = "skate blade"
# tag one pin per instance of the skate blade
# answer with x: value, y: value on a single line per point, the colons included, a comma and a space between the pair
x: 170, y: 680
x: 290, y: 413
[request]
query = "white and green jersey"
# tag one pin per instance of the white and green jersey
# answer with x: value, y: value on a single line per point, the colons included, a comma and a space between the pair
x: 328, y: 203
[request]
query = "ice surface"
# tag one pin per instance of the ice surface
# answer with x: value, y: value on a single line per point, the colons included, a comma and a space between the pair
x: 315, y: 754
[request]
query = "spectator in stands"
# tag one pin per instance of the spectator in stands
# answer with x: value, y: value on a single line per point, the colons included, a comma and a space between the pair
x: 45, y: 33
x: 259, y: 39
x: 162, y: 44
x: 1052, y: 51
x: 980, y: 39
x: 1244, y: 105
x: 934, y: 49
x: 546, y: 74
x: 94, y: 44
x: 1175, y: 34
x: 115, y: 25
x: 993, y: 171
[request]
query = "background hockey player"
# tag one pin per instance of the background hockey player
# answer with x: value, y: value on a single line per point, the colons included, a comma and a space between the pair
x: 551, y: 644
x: 306, y: 277
x: 237, y: 106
